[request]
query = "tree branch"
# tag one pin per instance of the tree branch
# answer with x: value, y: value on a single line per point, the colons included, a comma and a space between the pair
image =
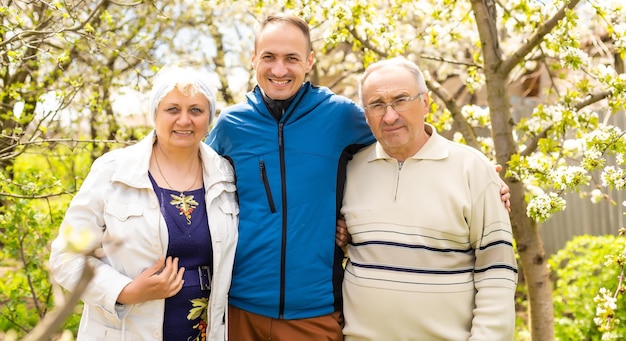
x: 484, y: 13
x: 366, y: 43
x: 536, y: 38
x: 592, y: 98
x: 43, y: 196
x: 455, y: 110
x: 70, y: 140
x: 10, y: 152
x: 29, y: 279
x: 55, y: 318
x: 449, y: 61
x: 28, y: 33
x: 532, y: 144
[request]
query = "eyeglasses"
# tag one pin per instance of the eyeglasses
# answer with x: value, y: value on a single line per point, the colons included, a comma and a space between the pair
x: 399, y: 104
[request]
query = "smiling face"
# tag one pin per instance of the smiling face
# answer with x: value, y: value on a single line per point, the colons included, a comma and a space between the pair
x: 401, y: 134
x: 281, y: 59
x: 182, y: 119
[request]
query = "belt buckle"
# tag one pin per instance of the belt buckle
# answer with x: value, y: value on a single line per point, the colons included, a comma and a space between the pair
x: 205, y: 277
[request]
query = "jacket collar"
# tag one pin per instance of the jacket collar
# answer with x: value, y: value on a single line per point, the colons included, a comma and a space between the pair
x: 302, y: 101
x: 133, y: 165
x: 277, y: 107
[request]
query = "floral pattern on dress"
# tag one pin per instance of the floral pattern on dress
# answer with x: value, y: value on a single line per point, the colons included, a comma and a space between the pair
x: 199, y: 310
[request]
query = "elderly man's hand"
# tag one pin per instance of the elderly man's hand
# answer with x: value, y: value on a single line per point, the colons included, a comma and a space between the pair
x: 342, y: 237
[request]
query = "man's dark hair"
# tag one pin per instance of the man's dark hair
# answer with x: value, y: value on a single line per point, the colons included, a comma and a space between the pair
x: 286, y: 19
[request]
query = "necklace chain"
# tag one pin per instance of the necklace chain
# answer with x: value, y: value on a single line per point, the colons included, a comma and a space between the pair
x: 195, y: 178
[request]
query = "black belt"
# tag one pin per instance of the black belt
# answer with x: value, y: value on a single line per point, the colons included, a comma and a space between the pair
x: 198, y: 276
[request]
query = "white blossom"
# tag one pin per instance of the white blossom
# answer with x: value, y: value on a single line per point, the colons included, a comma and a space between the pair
x: 542, y: 207
x: 574, y: 57
x: 573, y: 147
x: 457, y: 137
x: 613, y: 177
x: 596, y: 196
x: 569, y: 177
x: 476, y: 116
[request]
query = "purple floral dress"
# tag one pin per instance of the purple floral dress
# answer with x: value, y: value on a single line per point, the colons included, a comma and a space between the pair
x: 189, y: 240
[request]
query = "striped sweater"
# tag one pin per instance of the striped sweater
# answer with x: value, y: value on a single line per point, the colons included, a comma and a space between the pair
x: 431, y: 256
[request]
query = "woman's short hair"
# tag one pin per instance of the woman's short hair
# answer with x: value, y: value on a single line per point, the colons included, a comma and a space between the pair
x: 188, y: 80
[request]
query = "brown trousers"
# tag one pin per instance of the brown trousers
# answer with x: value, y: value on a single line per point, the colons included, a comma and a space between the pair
x: 246, y: 326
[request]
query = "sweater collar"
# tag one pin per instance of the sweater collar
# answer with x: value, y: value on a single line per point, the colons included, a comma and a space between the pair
x: 436, y: 148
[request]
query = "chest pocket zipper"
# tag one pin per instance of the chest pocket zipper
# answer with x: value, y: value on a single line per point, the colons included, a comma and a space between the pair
x: 266, y: 184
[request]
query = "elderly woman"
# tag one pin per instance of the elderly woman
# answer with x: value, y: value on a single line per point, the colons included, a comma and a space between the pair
x: 163, y: 216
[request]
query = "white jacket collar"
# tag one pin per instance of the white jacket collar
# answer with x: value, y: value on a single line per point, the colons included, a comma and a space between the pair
x: 134, y: 165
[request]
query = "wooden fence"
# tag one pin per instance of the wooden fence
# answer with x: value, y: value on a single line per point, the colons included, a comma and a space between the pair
x: 583, y: 217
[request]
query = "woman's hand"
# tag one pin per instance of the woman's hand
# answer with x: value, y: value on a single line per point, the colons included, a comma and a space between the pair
x: 157, y: 282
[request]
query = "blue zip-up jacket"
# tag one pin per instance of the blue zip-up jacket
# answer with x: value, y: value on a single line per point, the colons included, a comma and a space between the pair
x: 287, y: 264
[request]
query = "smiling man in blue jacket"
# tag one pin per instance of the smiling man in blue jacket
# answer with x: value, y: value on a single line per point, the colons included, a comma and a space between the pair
x: 286, y: 142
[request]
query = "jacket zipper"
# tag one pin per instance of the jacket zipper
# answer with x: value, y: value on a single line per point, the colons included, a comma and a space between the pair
x: 266, y: 184
x: 283, y: 261
x: 283, y: 181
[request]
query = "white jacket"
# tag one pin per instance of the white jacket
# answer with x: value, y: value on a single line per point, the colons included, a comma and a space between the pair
x: 116, y: 203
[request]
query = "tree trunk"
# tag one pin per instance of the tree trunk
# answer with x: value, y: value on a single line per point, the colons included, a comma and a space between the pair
x: 525, y: 230
x: 535, y: 270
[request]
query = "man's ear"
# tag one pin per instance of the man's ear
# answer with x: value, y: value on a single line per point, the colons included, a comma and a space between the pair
x: 253, y: 60
x: 310, y: 61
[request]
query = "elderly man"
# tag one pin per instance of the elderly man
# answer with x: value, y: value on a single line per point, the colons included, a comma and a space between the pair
x: 431, y: 256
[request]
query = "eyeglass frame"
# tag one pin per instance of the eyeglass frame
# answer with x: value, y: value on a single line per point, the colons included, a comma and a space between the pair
x: 393, y: 104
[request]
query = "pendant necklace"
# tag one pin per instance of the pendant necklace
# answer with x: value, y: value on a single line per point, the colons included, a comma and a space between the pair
x: 184, y: 203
